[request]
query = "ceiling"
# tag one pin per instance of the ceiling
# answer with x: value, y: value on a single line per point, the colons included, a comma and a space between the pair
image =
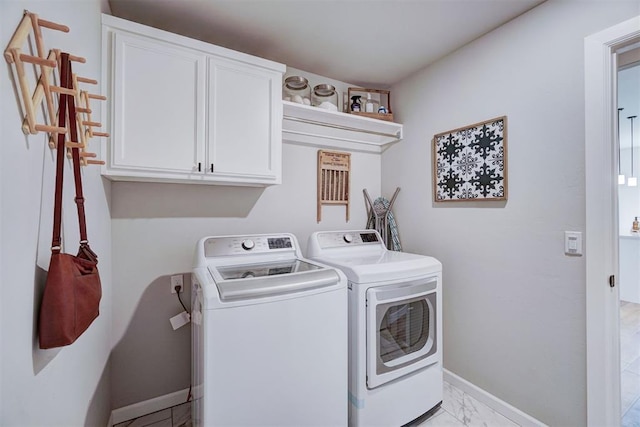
x: 371, y: 43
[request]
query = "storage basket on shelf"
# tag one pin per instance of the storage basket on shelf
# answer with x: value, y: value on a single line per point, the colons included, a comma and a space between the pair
x: 373, y: 103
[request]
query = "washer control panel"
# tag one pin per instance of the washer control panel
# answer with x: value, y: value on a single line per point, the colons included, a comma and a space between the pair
x: 334, y: 239
x: 239, y: 245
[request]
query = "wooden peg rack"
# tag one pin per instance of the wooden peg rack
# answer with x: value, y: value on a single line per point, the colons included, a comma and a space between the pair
x: 44, y: 66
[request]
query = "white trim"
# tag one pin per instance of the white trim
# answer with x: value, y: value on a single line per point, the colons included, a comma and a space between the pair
x: 498, y: 405
x: 602, y: 310
x: 149, y: 406
x: 306, y: 125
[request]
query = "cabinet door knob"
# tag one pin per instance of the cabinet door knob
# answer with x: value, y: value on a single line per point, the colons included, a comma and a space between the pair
x: 211, y: 167
x: 199, y: 167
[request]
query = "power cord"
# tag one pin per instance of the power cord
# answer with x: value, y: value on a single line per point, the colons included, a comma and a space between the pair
x: 178, y: 288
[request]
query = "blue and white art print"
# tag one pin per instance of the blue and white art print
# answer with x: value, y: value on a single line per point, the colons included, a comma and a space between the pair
x: 470, y: 163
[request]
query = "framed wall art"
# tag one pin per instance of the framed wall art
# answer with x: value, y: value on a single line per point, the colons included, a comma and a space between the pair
x: 470, y: 163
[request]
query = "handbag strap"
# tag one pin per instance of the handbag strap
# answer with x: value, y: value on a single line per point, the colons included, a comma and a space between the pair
x: 62, y: 119
x: 75, y: 154
x: 67, y: 108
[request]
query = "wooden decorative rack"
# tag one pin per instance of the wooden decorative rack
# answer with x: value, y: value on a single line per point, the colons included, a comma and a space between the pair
x: 44, y: 66
x: 334, y: 176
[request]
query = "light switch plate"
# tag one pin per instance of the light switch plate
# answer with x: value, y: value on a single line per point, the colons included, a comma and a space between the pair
x: 573, y: 243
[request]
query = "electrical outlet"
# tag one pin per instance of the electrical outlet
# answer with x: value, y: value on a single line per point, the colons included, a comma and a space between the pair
x: 176, y: 281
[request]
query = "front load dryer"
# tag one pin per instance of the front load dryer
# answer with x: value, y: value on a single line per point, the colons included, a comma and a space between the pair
x: 395, y: 327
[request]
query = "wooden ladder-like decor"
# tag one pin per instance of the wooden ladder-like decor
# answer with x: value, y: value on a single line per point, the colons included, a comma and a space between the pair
x: 44, y: 66
x: 334, y: 175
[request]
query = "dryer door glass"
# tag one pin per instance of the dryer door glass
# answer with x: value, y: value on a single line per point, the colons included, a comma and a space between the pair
x: 404, y: 329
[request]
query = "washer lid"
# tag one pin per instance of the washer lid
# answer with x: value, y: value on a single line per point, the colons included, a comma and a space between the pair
x: 389, y: 265
x: 245, y: 271
x: 250, y: 281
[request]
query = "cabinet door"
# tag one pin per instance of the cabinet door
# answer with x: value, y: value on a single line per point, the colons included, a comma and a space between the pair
x: 158, y: 115
x: 244, y: 131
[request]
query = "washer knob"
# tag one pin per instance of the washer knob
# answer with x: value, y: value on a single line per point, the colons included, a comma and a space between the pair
x: 348, y: 238
x: 248, y: 244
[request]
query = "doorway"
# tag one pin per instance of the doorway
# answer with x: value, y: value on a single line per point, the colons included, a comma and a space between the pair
x: 602, y: 230
x: 628, y: 82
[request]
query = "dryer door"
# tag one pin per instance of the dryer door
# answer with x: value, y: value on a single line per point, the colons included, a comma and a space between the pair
x: 401, y: 329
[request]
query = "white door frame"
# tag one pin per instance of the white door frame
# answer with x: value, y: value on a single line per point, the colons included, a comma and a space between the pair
x: 601, y: 166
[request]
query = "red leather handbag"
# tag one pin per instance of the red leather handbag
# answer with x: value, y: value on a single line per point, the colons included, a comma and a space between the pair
x: 72, y: 291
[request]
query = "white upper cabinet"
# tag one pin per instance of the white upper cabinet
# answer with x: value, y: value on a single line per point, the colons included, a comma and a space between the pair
x: 242, y: 138
x: 181, y: 110
x: 158, y: 107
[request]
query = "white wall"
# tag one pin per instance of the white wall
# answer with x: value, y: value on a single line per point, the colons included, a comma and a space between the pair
x: 628, y: 197
x: 514, y: 304
x: 629, y: 270
x: 67, y: 386
x: 155, y: 229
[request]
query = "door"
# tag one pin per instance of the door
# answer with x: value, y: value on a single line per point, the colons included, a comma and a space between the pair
x: 245, y: 122
x: 158, y: 95
x: 401, y: 329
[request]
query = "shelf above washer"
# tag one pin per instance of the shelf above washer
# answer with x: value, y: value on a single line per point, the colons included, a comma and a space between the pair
x: 307, y: 125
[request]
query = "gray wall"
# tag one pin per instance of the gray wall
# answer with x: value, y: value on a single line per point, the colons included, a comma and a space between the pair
x: 514, y: 304
x: 152, y: 359
x: 67, y: 386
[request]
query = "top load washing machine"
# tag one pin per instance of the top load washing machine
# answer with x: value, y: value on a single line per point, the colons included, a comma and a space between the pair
x: 395, y: 327
x: 269, y: 335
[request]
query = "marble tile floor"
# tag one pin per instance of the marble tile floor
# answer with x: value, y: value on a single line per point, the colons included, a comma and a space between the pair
x: 630, y: 363
x: 458, y: 410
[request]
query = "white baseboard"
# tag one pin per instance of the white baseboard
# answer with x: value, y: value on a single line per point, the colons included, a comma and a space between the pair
x: 498, y: 405
x: 148, y: 406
